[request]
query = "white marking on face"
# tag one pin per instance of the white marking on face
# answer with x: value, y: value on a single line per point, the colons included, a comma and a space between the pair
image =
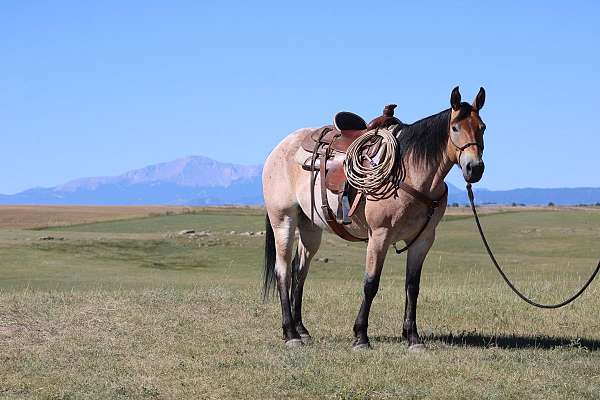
x: 466, y: 157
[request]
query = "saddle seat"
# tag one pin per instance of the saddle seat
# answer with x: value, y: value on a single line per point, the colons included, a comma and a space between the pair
x: 347, y: 121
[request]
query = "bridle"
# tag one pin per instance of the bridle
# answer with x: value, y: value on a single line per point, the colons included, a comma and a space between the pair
x: 465, y: 146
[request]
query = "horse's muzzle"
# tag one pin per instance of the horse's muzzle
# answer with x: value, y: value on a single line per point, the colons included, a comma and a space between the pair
x: 473, y: 171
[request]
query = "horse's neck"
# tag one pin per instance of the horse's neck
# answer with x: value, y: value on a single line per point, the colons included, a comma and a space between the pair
x: 428, y: 180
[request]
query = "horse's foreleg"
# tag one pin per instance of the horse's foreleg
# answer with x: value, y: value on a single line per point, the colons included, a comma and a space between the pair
x: 284, y: 230
x: 310, y: 240
x: 376, y: 252
x: 416, y: 256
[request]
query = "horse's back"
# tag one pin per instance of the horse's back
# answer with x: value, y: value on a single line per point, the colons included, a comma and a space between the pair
x: 281, y: 173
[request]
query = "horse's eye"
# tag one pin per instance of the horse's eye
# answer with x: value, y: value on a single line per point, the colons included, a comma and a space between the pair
x: 454, y: 128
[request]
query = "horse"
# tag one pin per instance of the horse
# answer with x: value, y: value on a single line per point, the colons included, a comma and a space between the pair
x: 428, y: 149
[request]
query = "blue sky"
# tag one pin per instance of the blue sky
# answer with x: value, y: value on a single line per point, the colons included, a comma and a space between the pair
x: 98, y: 88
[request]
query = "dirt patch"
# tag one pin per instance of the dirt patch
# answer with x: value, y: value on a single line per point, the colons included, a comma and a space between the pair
x: 14, y: 328
x: 20, y: 331
x: 9, y: 331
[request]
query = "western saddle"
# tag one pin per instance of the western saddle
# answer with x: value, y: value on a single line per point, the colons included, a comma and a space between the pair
x: 328, y: 146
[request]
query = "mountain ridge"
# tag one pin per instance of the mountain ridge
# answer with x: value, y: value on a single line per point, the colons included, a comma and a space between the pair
x: 203, y: 170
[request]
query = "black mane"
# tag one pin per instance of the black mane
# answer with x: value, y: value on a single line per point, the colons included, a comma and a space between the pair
x: 426, y: 139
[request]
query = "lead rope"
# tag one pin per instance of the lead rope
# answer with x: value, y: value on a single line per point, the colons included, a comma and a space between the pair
x: 503, y: 275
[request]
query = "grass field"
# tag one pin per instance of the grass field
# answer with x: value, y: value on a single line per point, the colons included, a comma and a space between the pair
x: 129, y: 309
x: 47, y: 216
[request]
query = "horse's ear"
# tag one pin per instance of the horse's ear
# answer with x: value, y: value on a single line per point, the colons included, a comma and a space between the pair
x: 455, y: 99
x: 479, y: 100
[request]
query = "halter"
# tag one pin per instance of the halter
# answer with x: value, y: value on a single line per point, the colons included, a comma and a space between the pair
x: 462, y: 148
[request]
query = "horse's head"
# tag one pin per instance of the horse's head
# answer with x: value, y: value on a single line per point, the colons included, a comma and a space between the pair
x: 465, y: 146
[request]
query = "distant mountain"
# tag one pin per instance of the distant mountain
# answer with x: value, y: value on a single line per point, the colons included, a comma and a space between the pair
x: 193, y: 180
x: 193, y: 171
x: 530, y: 196
x: 197, y: 180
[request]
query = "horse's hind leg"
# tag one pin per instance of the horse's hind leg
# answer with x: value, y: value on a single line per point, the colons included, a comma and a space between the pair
x: 283, y: 224
x: 310, y: 240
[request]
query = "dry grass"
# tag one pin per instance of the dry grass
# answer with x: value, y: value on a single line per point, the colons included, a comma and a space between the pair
x: 124, y: 310
x: 24, y: 217
x: 37, y: 217
x: 495, y: 209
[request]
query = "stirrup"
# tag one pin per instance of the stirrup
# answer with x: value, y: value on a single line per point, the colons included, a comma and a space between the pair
x: 343, y: 211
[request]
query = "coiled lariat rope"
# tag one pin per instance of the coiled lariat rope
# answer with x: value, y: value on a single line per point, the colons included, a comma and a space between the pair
x: 374, y: 174
x: 373, y: 166
x: 503, y: 275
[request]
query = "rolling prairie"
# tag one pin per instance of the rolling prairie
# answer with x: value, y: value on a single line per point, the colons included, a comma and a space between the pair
x: 131, y: 309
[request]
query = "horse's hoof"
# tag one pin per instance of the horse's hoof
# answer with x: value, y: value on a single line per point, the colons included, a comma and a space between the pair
x: 306, y: 339
x: 417, y: 348
x: 361, y: 347
x: 293, y: 343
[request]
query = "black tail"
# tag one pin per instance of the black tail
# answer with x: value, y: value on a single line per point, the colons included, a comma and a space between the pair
x: 269, y: 266
x: 295, y: 270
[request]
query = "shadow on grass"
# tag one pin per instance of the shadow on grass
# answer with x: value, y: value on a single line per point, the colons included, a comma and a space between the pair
x: 474, y: 339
